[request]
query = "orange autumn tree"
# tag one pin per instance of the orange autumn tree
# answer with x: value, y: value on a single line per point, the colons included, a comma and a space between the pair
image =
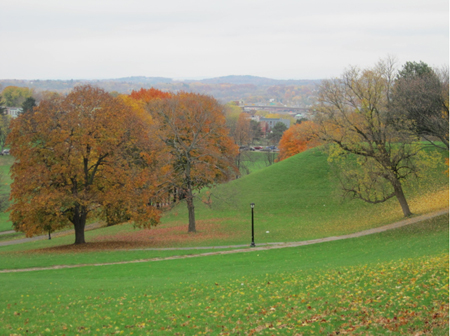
x: 200, y: 152
x: 147, y: 95
x: 297, y: 139
x: 83, y: 156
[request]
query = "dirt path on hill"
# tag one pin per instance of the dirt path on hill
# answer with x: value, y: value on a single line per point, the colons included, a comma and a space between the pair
x: 259, y: 247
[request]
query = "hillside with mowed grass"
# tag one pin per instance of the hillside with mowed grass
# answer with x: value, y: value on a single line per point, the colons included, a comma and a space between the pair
x: 297, y: 199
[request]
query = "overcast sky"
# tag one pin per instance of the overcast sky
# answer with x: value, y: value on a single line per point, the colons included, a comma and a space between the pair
x: 282, y: 39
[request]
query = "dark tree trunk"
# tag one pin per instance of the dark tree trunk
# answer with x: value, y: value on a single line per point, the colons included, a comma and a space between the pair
x: 238, y: 162
x: 191, y: 210
x: 401, y: 198
x: 190, y: 198
x: 79, y: 223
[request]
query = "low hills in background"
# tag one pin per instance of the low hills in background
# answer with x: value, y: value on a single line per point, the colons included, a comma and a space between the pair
x: 251, y: 89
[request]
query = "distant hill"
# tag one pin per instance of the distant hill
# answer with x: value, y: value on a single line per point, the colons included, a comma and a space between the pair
x: 250, y: 89
x: 258, y: 81
x: 142, y: 79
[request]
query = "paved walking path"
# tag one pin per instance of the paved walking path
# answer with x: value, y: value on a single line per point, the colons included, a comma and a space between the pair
x: 259, y: 247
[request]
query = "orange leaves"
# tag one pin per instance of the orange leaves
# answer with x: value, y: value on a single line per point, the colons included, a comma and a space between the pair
x: 196, y: 143
x: 193, y: 128
x: 297, y: 139
x: 80, y: 156
x: 146, y: 95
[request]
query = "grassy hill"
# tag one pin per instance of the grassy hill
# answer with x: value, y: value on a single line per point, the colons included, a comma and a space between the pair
x: 296, y: 199
x: 395, y: 282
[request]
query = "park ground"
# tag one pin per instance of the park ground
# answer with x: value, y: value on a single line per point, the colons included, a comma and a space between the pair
x: 393, y: 282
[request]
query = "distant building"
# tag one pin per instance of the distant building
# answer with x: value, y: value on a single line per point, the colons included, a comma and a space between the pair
x: 14, y: 111
x: 255, y: 118
x: 302, y: 116
x: 268, y: 123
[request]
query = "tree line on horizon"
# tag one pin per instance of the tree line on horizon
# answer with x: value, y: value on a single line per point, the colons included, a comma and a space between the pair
x: 251, y: 89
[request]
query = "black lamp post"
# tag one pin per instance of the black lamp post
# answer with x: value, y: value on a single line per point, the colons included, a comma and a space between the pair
x: 252, y: 205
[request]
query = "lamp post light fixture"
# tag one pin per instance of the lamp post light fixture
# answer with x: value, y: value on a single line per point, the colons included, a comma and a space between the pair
x: 252, y: 205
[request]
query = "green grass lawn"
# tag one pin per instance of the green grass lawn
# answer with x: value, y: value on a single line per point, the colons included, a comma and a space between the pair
x: 392, y: 283
x: 254, y: 161
x: 298, y: 199
x: 5, y: 180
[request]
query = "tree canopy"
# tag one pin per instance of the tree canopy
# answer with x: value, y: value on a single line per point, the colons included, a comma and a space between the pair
x: 421, y: 102
x: 277, y: 132
x: 87, y: 155
x: 28, y: 104
x: 297, y: 139
x: 14, y: 96
x: 374, y: 154
x: 199, y: 151
x: 243, y: 134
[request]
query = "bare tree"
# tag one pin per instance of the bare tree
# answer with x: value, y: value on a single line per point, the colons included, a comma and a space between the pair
x: 374, y: 155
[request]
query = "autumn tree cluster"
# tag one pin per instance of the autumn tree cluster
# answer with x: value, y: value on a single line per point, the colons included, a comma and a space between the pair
x: 93, y: 155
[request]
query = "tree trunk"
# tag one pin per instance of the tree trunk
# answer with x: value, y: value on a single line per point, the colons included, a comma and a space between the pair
x: 79, y: 223
x: 191, y: 210
x: 190, y: 197
x: 401, y: 198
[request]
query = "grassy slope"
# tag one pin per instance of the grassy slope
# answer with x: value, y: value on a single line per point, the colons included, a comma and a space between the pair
x: 401, y: 273
x: 5, y: 163
x: 357, y: 285
x: 297, y: 199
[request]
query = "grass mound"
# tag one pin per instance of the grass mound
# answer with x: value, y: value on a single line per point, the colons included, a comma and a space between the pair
x: 296, y: 199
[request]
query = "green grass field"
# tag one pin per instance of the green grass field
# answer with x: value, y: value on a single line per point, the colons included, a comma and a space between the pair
x: 394, y: 282
x: 254, y: 161
x: 5, y: 180
x: 298, y: 199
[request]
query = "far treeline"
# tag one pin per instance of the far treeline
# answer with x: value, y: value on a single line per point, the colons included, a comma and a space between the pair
x: 93, y: 154
x: 251, y: 89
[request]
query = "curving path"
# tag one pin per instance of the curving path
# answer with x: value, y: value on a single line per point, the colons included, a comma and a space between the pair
x: 259, y: 247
